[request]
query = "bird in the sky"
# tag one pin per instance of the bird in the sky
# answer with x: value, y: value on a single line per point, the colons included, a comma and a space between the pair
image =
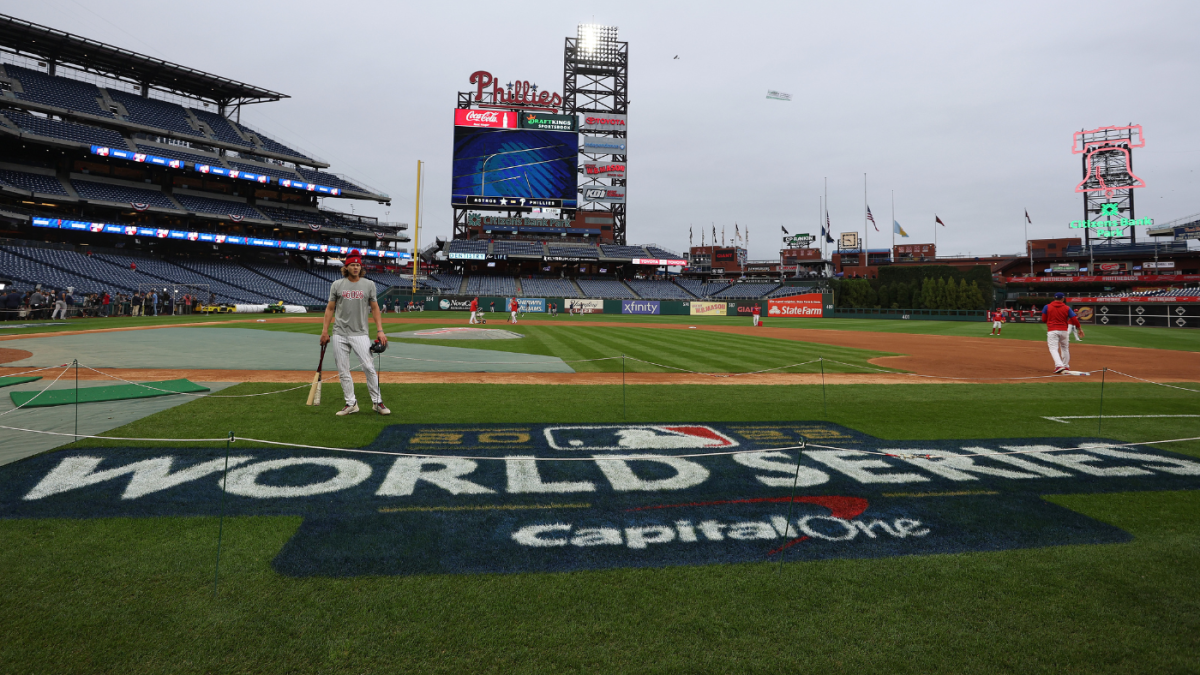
x: 676, y: 57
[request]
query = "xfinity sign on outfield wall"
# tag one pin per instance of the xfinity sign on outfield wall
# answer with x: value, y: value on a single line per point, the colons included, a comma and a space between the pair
x: 611, y: 194
x: 611, y: 170
x: 603, y: 145
x: 640, y: 307
x: 602, y: 122
x: 807, y: 305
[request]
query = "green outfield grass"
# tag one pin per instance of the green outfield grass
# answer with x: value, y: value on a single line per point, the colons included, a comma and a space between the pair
x: 135, y: 595
x: 1119, y: 336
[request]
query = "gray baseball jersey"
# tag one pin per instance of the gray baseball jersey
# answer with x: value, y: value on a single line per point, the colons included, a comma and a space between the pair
x: 353, y: 298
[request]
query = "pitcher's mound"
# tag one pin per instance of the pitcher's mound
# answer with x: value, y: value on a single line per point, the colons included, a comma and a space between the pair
x: 459, y: 333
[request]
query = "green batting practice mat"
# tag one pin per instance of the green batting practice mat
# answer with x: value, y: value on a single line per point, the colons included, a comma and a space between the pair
x: 119, y: 392
x: 9, y: 381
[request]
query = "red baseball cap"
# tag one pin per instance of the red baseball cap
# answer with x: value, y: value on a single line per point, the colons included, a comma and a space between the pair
x: 355, y: 258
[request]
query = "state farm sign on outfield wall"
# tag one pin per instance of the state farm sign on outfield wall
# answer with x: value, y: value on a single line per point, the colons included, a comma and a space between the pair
x: 602, y: 122
x: 807, y: 305
x: 500, y: 119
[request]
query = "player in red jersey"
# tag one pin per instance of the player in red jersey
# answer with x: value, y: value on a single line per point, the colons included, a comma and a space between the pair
x: 1057, y: 316
x: 514, y: 307
x: 474, y: 311
x: 997, y: 318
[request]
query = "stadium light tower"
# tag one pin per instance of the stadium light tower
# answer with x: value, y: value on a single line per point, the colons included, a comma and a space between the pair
x: 596, y: 80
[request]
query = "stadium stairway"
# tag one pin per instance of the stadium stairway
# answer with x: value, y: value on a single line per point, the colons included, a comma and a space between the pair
x: 577, y: 288
x: 520, y: 290
x: 255, y: 296
x: 462, y: 287
x: 676, y: 282
x: 635, y: 293
x: 303, y: 293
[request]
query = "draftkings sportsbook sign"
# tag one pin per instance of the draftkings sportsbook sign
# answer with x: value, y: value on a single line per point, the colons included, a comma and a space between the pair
x: 457, y: 499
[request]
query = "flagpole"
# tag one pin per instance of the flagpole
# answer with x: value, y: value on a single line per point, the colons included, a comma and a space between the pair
x: 1030, y: 248
x: 866, y: 232
x: 893, y: 251
x: 828, y: 234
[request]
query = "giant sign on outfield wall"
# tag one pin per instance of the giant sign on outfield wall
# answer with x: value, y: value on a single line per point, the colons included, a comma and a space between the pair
x: 603, y: 145
x: 602, y: 122
x: 806, y: 306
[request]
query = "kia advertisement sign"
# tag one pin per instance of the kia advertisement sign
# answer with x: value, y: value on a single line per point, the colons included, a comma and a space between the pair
x: 603, y: 145
x: 497, y: 119
x: 610, y: 170
x: 602, y: 122
x: 611, y: 194
x: 640, y: 307
x: 803, y: 306
x: 707, y: 308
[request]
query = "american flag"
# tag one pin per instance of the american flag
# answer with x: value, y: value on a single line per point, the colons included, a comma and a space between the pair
x: 872, y: 219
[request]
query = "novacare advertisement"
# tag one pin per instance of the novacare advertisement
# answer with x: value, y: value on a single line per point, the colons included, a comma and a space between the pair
x: 707, y: 308
x: 807, y: 306
x: 640, y: 307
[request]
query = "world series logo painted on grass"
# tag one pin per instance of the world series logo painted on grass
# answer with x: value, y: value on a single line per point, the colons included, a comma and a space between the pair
x: 473, y: 498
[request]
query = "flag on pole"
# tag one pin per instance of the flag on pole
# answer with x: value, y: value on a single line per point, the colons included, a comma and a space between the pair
x: 737, y: 234
x: 938, y: 220
x: 784, y: 229
x: 1027, y: 217
x: 896, y: 229
x: 871, y: 218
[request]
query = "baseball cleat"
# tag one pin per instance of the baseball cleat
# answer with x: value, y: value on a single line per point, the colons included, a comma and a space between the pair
x: 381, y: 409
x: 1060, y: 370
x: 348, y: 410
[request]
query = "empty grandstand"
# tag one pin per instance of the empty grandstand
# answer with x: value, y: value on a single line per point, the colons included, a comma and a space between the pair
x: 659, y: 290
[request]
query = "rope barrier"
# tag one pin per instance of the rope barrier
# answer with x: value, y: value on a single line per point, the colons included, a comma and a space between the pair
x: 204, y: 395
x: 1161, y: 384
x: 65, y: 368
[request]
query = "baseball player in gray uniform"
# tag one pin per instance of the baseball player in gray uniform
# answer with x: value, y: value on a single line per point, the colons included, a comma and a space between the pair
x: 350, y: 298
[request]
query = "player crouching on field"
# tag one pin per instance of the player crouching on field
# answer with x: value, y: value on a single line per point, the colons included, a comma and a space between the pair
x: 1057, y: 316
x: 350, y: 298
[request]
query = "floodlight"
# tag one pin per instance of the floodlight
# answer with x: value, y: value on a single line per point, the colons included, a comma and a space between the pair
x: 596, y: 42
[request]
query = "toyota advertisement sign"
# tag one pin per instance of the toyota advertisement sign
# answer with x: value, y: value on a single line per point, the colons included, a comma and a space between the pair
x: 603, y: 122
x: 803, y: 306
x: 610, y: 194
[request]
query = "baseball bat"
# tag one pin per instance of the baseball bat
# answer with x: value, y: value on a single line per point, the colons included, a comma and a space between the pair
x: 314, y: 393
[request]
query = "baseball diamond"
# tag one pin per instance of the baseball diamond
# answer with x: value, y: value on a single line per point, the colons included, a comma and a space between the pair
x: 554, y: 417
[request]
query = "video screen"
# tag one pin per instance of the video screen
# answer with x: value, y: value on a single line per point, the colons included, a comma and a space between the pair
x: 493, y: 167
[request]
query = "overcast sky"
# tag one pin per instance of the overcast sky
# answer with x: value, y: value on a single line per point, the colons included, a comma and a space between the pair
x: 965, y: 110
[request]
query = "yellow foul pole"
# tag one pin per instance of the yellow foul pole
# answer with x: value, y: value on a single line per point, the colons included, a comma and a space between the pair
x: 416, y: 269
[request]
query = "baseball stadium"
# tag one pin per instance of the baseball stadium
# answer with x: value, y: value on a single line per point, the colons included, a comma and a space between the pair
x: 245, y: 429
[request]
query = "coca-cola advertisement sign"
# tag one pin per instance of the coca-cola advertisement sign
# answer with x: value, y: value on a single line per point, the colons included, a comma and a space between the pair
x: 609, y: 170
x: 498, y: 119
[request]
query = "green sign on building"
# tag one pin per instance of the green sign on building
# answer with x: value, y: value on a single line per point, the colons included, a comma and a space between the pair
x: 548, y: 122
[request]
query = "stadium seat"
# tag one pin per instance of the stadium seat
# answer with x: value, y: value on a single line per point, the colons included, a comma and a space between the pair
x: 59, y: 92
x: 155, y: 113
x: 623, y: 252
x: 218, y: 206
x: 34, y: 182
x: 606, y: 288
x: 746, y: 291
x: 659, y: 290
x: 549, y: 288
x: 500, y: 286
x: 107, y: 192
x: 67, y: 131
